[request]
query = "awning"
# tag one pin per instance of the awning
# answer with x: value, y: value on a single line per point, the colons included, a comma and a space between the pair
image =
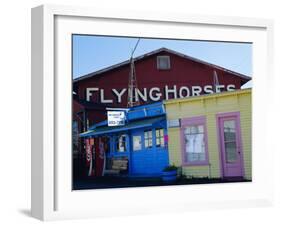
x: 129, y: 126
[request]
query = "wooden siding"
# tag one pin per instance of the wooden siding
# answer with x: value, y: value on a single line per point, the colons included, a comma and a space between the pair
x: 209, y: 106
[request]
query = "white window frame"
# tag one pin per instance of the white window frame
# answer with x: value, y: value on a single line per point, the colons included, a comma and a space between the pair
x: 160, y: 137
x: 148, y: 139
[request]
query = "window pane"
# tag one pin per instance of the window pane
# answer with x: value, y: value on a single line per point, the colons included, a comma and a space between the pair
x: 136, y: 143
x: 201, y: 129
x: 195, y: 143
x: 146, y: 143
x: 150, y: 143
x: 162, y: 142
x: 121, y: 143
x: 157, y: 132
x: 187, y: 130
x: 230, y: 150
x: 229, y: 130
x: 159, y: 137
x: 148, y: 139
x: 192, y: 157
x: 229, y: 124
x: 163, y: 62
x: 194, y: 129
x: 145, y: 134
x: 158, y: 142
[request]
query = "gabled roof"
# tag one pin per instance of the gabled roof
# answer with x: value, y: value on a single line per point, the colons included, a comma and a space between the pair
x: 163, y: 49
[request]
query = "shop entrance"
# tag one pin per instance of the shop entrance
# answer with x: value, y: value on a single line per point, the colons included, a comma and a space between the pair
x: 149, y: 155
x: 230, y: 145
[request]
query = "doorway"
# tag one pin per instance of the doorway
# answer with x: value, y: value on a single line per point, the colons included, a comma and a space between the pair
x: 230, y: 144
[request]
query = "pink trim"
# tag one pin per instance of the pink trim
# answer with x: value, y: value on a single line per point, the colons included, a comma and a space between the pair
x: 199, y: 120
x: 219, y: 143
x: 229, y: 115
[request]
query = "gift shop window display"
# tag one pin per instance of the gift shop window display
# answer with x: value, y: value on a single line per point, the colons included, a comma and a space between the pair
x: 120, y: 143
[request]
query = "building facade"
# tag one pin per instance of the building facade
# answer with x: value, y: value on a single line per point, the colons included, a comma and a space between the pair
x: 210, y: 136
x: 162, y: 74
x: 137, y: 148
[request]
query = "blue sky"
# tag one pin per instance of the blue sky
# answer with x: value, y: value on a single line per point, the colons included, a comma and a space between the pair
x: 91, y: 53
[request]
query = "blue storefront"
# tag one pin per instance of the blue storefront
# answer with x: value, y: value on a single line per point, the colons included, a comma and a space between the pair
x: 141, y: 142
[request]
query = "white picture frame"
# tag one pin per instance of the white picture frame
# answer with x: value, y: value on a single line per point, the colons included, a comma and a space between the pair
x: 52, y: 197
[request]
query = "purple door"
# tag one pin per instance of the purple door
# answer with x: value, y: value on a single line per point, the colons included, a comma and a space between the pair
x: 230, y: 145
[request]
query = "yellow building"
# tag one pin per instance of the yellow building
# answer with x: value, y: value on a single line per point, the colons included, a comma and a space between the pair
x: 210, y: 135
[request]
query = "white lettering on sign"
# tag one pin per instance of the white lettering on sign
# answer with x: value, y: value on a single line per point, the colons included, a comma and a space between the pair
x: 230, y: 87
x: 196, y: 90
x: 119, y: 94
x: 183, y: 90
x: 89, y: 92
x: 102, y: 99
x: 155, y: 93
x: 208, y: 89
x: 218, y: 88
x: 173, y: 91
x: 116, y: 118
x: 140, y: 94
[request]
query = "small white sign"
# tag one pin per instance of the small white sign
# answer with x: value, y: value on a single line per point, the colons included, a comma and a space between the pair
x: 173, y: 123
x: 115, y: 118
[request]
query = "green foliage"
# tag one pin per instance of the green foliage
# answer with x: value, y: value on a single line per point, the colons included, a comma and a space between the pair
x: 170, y: 168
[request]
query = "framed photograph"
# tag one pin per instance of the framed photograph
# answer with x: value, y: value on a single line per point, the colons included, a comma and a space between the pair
x: 136, y: 112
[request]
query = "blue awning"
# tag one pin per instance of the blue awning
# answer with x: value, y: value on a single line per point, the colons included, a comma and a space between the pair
x: 129, y: 126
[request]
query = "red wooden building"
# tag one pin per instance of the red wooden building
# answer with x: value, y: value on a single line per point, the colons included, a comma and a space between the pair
x: 161, y: 74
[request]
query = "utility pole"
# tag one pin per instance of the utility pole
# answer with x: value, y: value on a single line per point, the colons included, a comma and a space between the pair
x: 216, y: 81
x: 132, y: 86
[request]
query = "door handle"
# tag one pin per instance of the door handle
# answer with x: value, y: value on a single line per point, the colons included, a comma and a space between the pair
x: 238, y: 149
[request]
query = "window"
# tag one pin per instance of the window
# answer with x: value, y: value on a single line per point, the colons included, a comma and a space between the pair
x: 194, y: 141
x: 163, y: 62
x: 121, y: 143
x: 230, y: 140
x: 159, y: 137
x: 136, y: 143
x: 148, y: 139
